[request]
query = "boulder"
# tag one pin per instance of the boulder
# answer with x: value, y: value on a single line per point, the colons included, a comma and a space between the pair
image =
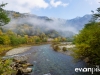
x: 27, y: 70
x: 28, y: 64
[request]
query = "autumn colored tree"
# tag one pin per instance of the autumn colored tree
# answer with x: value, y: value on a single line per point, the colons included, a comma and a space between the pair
x: 88, y: 41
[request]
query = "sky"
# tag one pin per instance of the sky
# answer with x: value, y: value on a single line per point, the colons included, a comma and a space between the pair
x: 65, y: 9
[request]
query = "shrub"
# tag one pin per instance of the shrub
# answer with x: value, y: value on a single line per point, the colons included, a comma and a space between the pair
x: 17, y: 40
x: 5, y: 67
x: 56, y: 48
x: 64, y: 49
x: 4, y: 39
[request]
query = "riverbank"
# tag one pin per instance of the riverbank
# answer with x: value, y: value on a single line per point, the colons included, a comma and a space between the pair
x: 13, y: 62
x: 6, y: 48
x: 18, y: 50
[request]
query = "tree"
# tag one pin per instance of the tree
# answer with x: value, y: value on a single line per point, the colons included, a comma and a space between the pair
x: 9, y: 32
x: 88, y: 41
x: 3, y: 16
x: 6, y: 40
x: 96, y: 15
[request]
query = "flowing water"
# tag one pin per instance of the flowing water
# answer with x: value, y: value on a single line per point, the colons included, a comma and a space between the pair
x: 48, y: 62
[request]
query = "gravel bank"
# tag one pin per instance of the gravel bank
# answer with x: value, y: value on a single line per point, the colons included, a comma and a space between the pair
x: 67, y: 46
x: 68, y: 52
x: 17, y: 50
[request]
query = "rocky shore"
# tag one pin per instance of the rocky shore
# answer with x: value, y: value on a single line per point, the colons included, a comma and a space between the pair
x: 17, y: 50
x: 19, y: 63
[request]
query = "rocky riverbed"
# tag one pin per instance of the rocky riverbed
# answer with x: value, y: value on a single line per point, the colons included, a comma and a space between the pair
x: 19, y: 62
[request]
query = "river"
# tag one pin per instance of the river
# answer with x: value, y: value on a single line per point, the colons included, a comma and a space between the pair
x: 48, y: 62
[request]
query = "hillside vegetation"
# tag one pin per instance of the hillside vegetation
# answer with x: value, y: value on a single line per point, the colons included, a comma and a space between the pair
x: 88, y: 41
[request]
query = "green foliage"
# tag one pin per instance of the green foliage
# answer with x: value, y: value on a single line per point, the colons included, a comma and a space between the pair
x: 43, y: 37
x: 37, y: 40
x: 56, y: 40
x: 10, y: 33
x: 17, y: 40
x: 5, y: 67
x: 96, y: 15
x: 10, y: 38
x: 88, y: 43
x: 59, y: 39
x: 4, y: 39
x: 3, y: 16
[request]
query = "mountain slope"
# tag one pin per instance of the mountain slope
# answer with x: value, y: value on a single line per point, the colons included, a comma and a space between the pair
x: 24, y: 23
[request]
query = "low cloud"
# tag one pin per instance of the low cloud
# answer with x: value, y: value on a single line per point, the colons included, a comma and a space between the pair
x: 91, y: 2
x: 55, y: 24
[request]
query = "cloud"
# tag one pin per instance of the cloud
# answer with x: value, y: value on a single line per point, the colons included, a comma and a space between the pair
x: 91, y: 2
x: 24, y: 5
x: 27, y: 6
x: 58, y: 3
x: 97, y: 1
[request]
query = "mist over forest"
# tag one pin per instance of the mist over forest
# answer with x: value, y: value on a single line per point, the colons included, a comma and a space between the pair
x: 30, y: 24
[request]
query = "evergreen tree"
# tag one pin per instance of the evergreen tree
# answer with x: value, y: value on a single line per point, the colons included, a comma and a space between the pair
x: 3, y: 16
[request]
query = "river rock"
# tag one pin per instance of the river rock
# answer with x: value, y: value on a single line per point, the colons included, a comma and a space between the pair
x: 27, y: 70
x: 21, y: 58
x: 28, y: 64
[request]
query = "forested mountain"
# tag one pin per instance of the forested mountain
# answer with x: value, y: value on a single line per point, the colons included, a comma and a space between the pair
x: 25, y: 23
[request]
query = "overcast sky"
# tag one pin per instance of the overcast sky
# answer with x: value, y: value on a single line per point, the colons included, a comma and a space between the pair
x: 65, y: 9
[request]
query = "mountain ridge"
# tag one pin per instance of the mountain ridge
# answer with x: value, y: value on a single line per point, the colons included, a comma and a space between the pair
x: 43, y: 24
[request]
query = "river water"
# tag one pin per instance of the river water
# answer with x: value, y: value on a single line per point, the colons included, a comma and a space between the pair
x: 48, y: 62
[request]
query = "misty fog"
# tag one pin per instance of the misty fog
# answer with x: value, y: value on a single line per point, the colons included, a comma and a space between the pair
x: 56, y: 24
